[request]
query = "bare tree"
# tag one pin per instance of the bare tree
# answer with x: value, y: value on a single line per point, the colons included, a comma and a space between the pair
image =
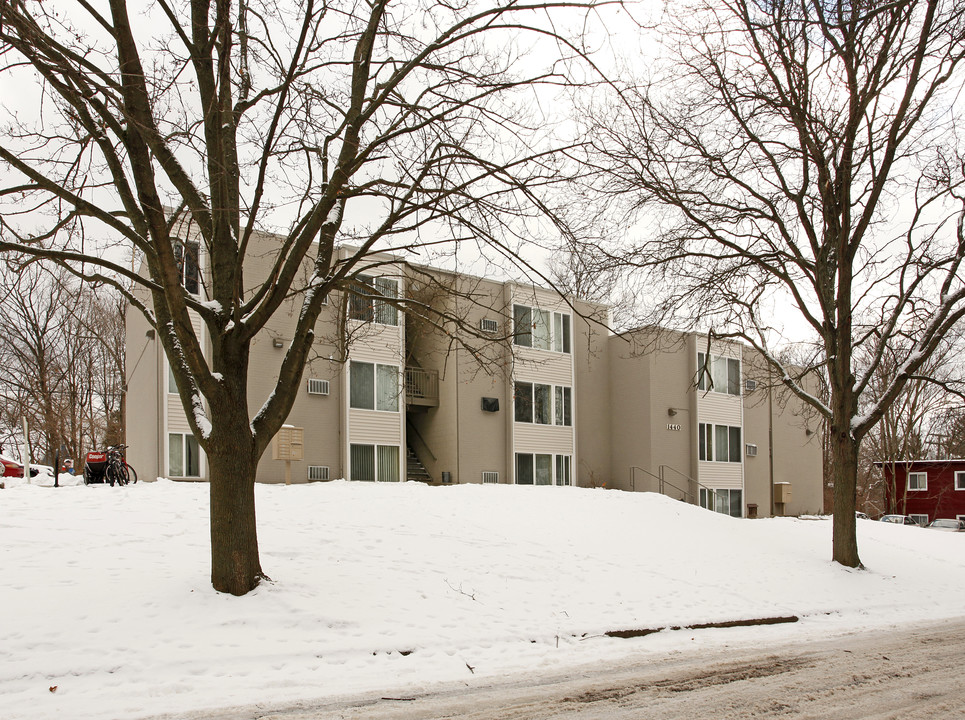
x: 802, y: 154
x: 61, y: 362
x: 362, y: 124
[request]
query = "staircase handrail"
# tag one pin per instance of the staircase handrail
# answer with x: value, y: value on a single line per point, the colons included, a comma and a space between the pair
x: 411, y: 428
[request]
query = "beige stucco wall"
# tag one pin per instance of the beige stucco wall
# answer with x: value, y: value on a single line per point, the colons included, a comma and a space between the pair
x: 796, y: 448
x: 458, y: 436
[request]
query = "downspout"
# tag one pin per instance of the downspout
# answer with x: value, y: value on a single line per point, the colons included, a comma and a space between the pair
x: 770, y: 435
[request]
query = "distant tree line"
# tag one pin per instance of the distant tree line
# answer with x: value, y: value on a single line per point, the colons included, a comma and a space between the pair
x: 61, y: 364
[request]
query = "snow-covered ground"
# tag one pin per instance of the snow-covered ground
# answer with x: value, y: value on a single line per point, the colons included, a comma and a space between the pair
x: 106, y: 609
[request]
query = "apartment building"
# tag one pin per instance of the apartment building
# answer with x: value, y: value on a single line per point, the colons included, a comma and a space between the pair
x: 501, y: 383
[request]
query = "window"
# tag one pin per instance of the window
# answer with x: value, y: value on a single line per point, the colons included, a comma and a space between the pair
x: 534, y: 403
x: 564, y: 402
x: 490, y: 476
x: 522, y: 326
x: 184, y: 455
x: 960, y: 479
x: 537, y: 469
x: 563, y: 470
x: 917, y: 481
x: 373, y: 386
x: 186, y: 256
x: 561, y: 332
x: 365, y: 305
x: 726, y: 501
x: 524, y: 402
x: 719, y: 443
x: 172, y: 384
x: 372, y: 463
x: 718, y: 374
x: 919, y: 519
x: 541, y: 329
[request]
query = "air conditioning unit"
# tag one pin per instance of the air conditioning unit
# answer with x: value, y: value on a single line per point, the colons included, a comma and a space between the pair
x: 751, y: 450
x: 490, y: 476
x: 317, y: 472
x: 317, y: 387
x: 750, y: 385
x: 488, y: 325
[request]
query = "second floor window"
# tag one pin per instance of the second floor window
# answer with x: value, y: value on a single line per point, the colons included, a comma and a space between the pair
x: 186, y: 255
x: 374, y: 387
x: 365, y: 302
x: 719, y: 374
x: 541, y: 329
x: 719, y: 443
x: 543, y: 404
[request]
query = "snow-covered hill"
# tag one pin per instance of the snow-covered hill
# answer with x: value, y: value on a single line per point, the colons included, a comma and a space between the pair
x: 105, y: 591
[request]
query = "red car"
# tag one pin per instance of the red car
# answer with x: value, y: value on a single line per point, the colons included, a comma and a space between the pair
x: 12, y: 468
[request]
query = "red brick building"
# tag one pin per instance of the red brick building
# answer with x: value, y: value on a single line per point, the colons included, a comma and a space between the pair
x: 925, y: 489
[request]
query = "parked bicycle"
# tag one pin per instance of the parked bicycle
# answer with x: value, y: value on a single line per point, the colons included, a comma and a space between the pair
x: 109, y: 466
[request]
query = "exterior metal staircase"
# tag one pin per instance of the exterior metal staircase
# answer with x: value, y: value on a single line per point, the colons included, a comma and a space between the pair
x: 415, y: 471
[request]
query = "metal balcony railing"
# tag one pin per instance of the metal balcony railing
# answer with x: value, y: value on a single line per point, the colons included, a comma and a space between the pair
x: 421, y: 387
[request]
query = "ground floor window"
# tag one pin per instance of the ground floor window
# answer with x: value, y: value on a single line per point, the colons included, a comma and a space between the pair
x: 370, y: 463
x: 184, y: 455
x: 919, y: 519
x: 540, y: 469
x: 728, y: 501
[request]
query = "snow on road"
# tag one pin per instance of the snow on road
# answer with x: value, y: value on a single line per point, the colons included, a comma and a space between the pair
x: 107, y: 610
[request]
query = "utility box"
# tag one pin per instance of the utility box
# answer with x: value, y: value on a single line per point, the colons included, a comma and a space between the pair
x: 782, y: 493
x: 289, y: 444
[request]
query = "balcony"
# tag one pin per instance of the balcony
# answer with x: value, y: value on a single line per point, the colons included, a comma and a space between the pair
x: 421, y: 387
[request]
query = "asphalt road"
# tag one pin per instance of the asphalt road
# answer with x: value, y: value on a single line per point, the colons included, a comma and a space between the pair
x: 901, y: 673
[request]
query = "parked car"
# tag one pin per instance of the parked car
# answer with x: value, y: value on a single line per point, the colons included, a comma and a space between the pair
x: 861, y: 516
x: 898, y: 519
x: 12, y: 468
x: 947, y: 524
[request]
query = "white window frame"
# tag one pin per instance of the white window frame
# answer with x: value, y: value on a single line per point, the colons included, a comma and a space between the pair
x: 922, y: 488
x: 719, y: 367
x: 707, y: 443
x: 706, y: 494
x: 376, y: 466
x: 960, y: 479
x: 186, y: 438
x: 556, y: 464
x: 490, y: 477
x: 560, y: 399
x: 380, y: 371
x: 181, y: 249
x: 546, y: 330
x: 919, y: 518
x: 367, y: 307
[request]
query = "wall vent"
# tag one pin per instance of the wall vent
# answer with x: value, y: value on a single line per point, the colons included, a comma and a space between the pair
x: 751, y: 450
x: 750, y: 385
x: 317, y: 387
x: 488, y: 325
x: 317, y: 472
x: 489, y: 476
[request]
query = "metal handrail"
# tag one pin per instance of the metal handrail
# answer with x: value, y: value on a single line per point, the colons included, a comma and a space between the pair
x: 646, y: 472
x: 689, y: 479
x: 421, y: 384
x: 411, y: 428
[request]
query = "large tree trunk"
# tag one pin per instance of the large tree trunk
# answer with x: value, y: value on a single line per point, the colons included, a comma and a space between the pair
x: 235, y: 566
x: 844, y: 461
x: 232, y: 464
